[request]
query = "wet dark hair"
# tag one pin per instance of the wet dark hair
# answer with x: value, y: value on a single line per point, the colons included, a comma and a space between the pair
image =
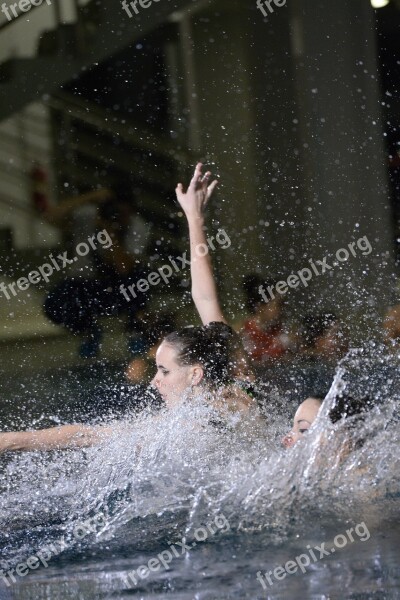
x: 214, y: 346
x: 315, y: 397
x: 346, y: 406
x: 314, y: 327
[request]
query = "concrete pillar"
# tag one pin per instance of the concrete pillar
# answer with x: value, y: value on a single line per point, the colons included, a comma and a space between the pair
x: 288, y: 108
x: 230, y: 42
x: 342, y: 152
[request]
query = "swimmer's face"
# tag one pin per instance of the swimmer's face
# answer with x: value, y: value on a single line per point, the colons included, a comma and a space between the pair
x: 173, y: 380
x: 303, y: 419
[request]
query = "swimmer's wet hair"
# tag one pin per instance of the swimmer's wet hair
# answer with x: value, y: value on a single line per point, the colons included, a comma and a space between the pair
x: 346, y: 406
x: 213, y: 346
x: 355, y: 409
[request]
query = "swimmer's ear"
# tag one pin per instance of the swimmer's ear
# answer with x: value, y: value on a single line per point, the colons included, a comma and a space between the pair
x: 197, y: 374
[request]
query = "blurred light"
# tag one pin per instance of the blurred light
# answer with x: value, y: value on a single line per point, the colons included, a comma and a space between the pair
x: 379, y: 3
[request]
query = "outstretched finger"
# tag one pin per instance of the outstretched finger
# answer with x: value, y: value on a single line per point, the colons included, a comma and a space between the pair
x: 197, y: 175
x: 179, y: 191
x: 211, y: 188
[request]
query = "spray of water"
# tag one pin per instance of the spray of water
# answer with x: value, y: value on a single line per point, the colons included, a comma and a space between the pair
x: 181, y: 467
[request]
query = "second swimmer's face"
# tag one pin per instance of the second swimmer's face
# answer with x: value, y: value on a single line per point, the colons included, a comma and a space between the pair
x: 172, y: 379
x: 303, y: 419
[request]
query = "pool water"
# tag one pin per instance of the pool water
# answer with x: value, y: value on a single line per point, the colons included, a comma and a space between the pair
x: 213, y: 512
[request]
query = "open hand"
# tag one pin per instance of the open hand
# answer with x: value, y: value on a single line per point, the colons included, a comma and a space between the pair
x: 195, y: 199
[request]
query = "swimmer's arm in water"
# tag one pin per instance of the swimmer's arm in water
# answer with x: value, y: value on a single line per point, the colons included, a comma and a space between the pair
x: 55, y: 438
x: 193, y: 203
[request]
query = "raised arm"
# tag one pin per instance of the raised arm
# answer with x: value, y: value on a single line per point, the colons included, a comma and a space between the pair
x: 55, y: 438
x: 193, y: 203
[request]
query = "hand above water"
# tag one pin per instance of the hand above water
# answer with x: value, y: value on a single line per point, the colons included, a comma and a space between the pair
x: 195, y: 199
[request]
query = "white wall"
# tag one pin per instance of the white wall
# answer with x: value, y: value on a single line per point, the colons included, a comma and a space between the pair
x: 20, y: 37
x: 25, y: 138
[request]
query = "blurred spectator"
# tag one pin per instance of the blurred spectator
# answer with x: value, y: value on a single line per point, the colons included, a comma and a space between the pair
x: 93, y: 291
x: 322, y: 336
x: 263, y: 332
x: 394, y: 178
x: 391, y: 326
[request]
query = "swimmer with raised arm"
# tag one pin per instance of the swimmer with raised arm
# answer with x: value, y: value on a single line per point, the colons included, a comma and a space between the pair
x: 186, y: 360
x: 192, y: 362
x: 193, y: 203
x: 204, y: 290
